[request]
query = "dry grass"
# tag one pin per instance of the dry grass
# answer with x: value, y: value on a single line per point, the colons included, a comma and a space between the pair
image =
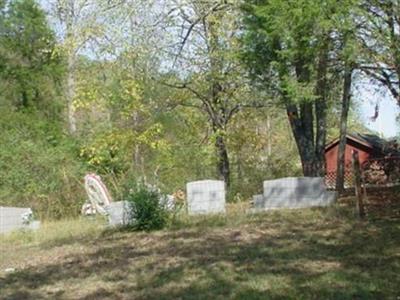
x: 298, y: 254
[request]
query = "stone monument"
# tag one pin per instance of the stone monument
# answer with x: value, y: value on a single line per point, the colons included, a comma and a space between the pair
x: 205, y: 197
x: 294, y: 192
x: 14, y: 218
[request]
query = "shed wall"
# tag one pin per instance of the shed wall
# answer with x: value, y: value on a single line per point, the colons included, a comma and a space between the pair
x: 331, y: 155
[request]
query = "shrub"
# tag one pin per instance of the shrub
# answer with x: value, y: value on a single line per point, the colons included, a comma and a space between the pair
x: 39, y: 166
x: 148, y: 212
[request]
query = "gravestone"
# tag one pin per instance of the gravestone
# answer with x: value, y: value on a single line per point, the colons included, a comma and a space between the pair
x: 98, y: 194
x: 206, y: 197
x: 258, y: 201
x: 14, y: 218
x: 167, y: 202
x: 294, y: 192
x: 119, y: 213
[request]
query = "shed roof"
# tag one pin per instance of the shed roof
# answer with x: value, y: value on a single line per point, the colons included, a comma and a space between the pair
x: 371, y: 141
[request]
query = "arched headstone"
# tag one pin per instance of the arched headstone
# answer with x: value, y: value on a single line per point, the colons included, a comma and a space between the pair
x: 99, y: 197
x: 118, y: 213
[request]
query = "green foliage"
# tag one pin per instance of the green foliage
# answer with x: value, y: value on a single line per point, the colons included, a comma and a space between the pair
x: 39, y: 166
x: 131, y: 126
x: 119, y: 122
x: 38, y: 163
x: 30, y: 67
x: 283, y: 39
x: 148, y: 212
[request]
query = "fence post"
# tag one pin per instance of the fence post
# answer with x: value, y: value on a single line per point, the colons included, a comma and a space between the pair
x: 357, y: 185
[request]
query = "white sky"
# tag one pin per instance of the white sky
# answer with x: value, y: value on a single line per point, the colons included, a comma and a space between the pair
x: 366, y: 96
x: 386, y: 123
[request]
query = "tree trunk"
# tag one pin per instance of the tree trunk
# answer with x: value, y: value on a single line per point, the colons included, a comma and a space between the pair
x: 310, y: 144
x: 223, y: 166
x: 269, y: 138
x: 239, y: 167
x: 301, y: 119
x: 302, y: 129
x: 70, y: 94
x: 138, y: 163
x: 321, y: 108
x: 217, y: 113
x: 358, y: 185
x: 346, y: 98
x: 71, y: 63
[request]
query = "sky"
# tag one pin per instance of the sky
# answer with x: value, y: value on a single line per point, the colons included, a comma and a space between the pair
x: 366, y: 99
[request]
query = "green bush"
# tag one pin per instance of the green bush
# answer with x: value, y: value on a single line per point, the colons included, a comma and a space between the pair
x: 147, y: 210
x: 39, y: 166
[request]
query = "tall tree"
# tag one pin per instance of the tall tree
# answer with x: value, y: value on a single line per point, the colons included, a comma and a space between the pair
x: 209, y: 70
x: 76, y: 18
x: 29, y: 62
x: 348, y: 59
x: 287, y: 49
x: 380, y: 37
x: 80, y: 22
x: 292, y: 48
x: 100, y: 30
x: 346, y: 99
x: 2, y: 33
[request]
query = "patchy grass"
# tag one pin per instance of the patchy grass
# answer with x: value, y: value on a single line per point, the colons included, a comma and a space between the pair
x: 295, y: 254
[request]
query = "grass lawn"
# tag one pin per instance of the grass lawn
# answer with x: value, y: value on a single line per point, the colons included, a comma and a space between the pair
x: 296, y: 254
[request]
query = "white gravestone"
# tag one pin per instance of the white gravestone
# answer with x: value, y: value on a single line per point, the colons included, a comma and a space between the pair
x: 206, y: 197
x: 119, y: 213
x: 13, y: 218
x: 294, y: 192
x: 99, y: 197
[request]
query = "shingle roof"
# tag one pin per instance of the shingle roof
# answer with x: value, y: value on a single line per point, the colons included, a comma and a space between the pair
x: 375, y: 142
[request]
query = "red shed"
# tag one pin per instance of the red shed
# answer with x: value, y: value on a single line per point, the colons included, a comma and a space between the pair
x: 368, y: 146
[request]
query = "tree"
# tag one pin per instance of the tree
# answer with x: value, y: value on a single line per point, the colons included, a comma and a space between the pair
x: 80, y: 22
x: 99, y: 30
x: 287, y: 47
x: 346, y: 99
x: 291, y: 48
x: 29, y: 62
x: 210, y: 72
x: 76, y: 18
x: 380, y: 37
x: 2, y: 35
x: 348, y: 59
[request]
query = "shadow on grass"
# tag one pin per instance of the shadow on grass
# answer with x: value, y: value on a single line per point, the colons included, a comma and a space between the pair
x: 270, y: 258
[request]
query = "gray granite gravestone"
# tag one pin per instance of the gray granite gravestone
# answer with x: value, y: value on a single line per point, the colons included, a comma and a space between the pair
x: 206, y: 197
x: 294, y: 192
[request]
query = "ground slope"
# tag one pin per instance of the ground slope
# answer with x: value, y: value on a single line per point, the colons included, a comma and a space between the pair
x: 299, y: 254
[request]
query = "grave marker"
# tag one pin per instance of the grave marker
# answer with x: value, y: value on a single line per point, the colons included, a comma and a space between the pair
x: 294, y: 192
x: 206, y: 197
x: 14, y: 218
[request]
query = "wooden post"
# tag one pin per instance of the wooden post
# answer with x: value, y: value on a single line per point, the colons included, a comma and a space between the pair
x: 358, y: 186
